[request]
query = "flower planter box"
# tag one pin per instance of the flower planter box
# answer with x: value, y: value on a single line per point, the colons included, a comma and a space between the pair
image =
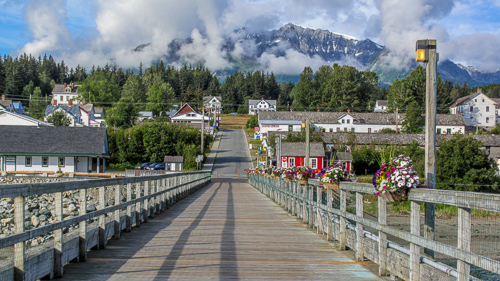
x: 277, y: 177
x: 328, y: 185
x: 390, y: 197
x: 287, y: 179
x: 302, y: 182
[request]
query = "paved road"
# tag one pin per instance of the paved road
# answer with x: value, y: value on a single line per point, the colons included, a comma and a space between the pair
x: 232, y: 155
x: 226, y: 231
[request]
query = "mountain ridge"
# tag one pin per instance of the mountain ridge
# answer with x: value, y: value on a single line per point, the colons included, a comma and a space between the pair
x: 331, y: 47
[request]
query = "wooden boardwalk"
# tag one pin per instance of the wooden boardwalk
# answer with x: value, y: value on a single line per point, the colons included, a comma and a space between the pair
x: 225, y: 231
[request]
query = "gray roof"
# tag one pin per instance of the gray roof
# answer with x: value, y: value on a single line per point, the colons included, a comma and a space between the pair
x: 398, y: 139
x: 280, y: 122
x: 382, y: 102
x: 298, y: 149
x: 343, y: 156
x: 146, y: 114
x: 98, y: 110
x: 59, y: 88
x: 174, y: 159
x: 75, y: 141
x: 5, y: 103
x: 271, y: 102
x: 87, y: 107
x: 73, y: 109
x: 379, y: 118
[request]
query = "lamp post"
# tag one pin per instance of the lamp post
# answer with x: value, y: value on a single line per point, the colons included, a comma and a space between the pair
x: 426, y: 52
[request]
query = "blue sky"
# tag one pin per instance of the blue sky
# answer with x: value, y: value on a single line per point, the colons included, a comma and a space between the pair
x: 93, y: 32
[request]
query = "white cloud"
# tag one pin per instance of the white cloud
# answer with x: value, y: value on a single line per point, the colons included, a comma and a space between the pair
x: 120, y: 26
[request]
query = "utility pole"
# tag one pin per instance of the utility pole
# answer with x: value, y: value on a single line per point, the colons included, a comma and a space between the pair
x: 278, y: 155
x: 202, y: 129
x: 397, y: 119
x: 308, y: 143
x: 426, y: 52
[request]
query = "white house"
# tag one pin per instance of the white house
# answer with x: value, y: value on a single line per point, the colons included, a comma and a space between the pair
x: 214, y: 103
x: 380, y: 106
x: 72, y: 111
x: 256, y: 106
x: 186, y: 114
x: 62, y: 94
x: 8, y: 118
x: 477, y: 109
x: 349, y: 122
x: 30, y: 148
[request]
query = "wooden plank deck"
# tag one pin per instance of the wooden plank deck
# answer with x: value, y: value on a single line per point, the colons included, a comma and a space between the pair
x: 225, y: 231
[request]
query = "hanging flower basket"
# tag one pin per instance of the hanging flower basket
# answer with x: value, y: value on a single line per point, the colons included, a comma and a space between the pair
x: 328, y: 185
x: 393, y: 180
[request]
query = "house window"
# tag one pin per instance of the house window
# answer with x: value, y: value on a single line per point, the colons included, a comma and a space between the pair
x: 28, y: 162
x: 291, y: 162
x: 487, y: 109
x: 345, y: 129
x: 343, y: 121
x: 483, y: 100
x: 61, y: 162
x: 331, y: 130
x: 448, y: 131
x: 313, y: 163
x: 67, y: 98
x: 45, y: 161
x: 348, y: 121
x: 352, y: 130
x: 439, y: 131
x: 322, y: 130
x: 369, y: 130
x: 61, y: 98
x: 290, y: 128
x: 487, y: 119
x: 475, y: 100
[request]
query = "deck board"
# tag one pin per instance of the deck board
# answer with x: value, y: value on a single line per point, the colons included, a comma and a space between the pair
x: 225, y: 231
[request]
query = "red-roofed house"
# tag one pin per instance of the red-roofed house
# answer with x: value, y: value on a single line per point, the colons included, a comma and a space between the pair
x: 186, y: 114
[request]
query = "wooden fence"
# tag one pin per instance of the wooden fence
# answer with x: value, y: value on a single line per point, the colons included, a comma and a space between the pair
x: 332, y: 218
x: 153, y: 194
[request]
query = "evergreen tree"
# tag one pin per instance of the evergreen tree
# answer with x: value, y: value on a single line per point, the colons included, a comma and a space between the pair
x: 38, y: 104
x: 59, y: 118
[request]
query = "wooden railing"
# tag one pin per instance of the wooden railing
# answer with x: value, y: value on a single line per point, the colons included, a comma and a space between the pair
x: 333, y: 219
x: 153, y: 194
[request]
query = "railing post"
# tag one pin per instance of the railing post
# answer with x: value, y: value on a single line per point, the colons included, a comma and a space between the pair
x: 382, y: 236
x: 329, y: 198
x: 117, y: 213
x: 464, y: 241
x: 414, y: 248
x: 310, y: 199
x: 19, y: 248
x: 294, y: 200
x: 128, y: 219
x: 163, y: 195
x: 102, y: 218
x: 359, y: 228
x: 146, y: 201
x: 82, y: 228
x: 58, y: 235
x: 319, y: 221
x: 138, y: 209
x: 158, y: 198
x: 343, y: 226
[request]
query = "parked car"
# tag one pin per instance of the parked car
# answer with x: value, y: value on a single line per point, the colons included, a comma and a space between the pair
x: 143, y: 166
x: 151, y: 166
x: 233, y: 113
x: 160, y: 166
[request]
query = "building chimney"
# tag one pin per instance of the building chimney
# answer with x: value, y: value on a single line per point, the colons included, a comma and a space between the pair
x: 83, y: 101
x: 70, y: 102
x: 479, y: 90
x: 55, y: 102
x: 65, y: 85
x: 3, y: 97
x: 72, y: 86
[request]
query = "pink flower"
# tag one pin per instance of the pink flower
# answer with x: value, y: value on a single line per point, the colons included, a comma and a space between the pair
x: 383, y: 187
x: 378, y: 193
x: 387, y: 173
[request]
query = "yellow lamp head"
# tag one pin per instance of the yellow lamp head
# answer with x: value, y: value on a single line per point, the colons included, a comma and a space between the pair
x: 422, y: 51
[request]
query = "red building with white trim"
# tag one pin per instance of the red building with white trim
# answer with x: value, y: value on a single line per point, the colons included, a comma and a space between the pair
x: 293, y: 154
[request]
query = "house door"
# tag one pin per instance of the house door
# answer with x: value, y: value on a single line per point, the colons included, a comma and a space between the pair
x: 10, y: 163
